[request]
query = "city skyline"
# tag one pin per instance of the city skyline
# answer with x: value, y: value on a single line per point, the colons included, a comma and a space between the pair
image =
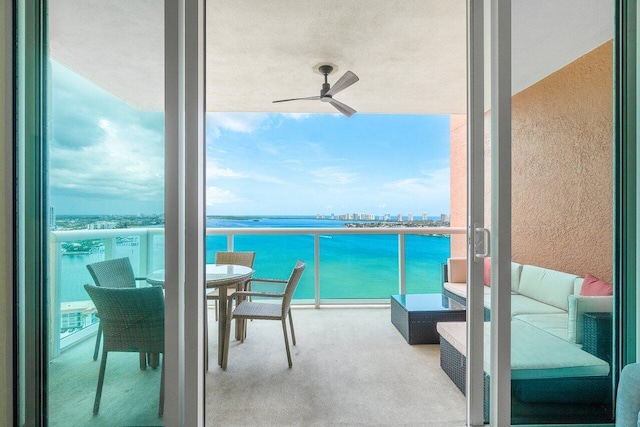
x: 108, y: 158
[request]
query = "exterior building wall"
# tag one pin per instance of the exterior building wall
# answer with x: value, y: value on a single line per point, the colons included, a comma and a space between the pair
x: 458, y: 166
x: 562, y: 169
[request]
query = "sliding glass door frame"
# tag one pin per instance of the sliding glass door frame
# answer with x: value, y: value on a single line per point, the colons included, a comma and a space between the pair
x: 499, y: 243
x: 30, y: 134
x: 184, y: 204
x: 627, y: 234
x: 184, y: 211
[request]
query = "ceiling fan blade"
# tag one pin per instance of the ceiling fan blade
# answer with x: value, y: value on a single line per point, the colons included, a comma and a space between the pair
x: 343, y: 82
x: 344, y: 109
x: 298, y: 99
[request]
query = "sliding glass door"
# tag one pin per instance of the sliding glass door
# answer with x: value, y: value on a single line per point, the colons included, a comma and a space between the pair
x: 541, y: 157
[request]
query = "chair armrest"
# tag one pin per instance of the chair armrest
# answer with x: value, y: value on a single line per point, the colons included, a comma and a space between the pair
x: 255, y: 294
x: 139, y: 278
x: 578, y: 306
x: 267, y: 280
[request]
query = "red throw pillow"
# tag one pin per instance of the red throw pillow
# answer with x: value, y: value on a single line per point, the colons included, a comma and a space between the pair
x: 594, y: 287
x: 487, y: 271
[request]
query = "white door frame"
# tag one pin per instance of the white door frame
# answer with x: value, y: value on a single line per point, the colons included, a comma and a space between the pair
x: 184, y: 212
x: 500, y: 242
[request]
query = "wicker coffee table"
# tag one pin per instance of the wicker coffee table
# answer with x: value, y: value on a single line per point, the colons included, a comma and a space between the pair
x: 416, y: 316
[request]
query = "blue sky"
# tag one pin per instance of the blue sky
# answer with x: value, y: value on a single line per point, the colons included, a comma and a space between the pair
x: 108, y: 158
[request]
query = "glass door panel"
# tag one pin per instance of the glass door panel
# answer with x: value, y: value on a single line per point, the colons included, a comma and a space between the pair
x: 559, y: 131
x: 106, y: 204
x: 562, y: 211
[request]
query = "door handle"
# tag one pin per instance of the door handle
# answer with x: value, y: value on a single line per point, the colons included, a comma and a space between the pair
x: 482, y: 238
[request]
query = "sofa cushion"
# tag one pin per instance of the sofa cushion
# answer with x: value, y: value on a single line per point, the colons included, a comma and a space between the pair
x: 534, y: 352
x: 457, y: 270
x: 487, y: 271
x: 460, y: 289
x: 521, y: 304
x: 578, y: 305
x: 547, y: 286
x: 592, y: 287
x: 538, y: 354
x: 555, y: 323
x: 516, y: 271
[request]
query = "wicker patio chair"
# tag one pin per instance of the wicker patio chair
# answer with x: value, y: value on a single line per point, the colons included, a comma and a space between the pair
x: 113, y: 273
x: 234, y: 258
x: 265, y: 311
x: 132, y: 321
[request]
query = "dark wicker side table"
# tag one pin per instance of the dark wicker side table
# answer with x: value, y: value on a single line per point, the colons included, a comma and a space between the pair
x: 598, y: 330
x: 416, y: 316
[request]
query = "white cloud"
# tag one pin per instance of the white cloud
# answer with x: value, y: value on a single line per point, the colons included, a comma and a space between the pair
x: 234, y: 122
x: 296, y: 116
x: 214, y: 171
x: 433, y: 182
x: 333, y: 175
x: 127, y: 163
x: 216, y: 195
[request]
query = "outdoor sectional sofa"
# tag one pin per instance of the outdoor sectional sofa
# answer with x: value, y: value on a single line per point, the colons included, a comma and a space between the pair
x: 561, y: 344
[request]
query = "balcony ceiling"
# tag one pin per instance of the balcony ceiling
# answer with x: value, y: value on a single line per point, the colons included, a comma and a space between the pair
x: 409, y: 54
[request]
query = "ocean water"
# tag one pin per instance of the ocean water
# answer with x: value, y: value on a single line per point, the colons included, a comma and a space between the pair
x: 352, y: 267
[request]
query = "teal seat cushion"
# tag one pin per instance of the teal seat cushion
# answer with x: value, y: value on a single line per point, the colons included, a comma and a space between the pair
x: 521, y: 304
x: 536, y: 354
x: 555, y: 323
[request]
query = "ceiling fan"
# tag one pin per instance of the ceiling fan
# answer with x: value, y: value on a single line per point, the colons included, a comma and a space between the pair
x: 328, y: 91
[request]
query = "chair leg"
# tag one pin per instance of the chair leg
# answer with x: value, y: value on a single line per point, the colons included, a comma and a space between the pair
x: 153, y: 360
x: 103, y: 364
x: 98, y: 338
x: 216, y: 305
x: 225, y: 355
x: 293, y: 333
x: 143, y: 360
x: 161, y: 402
x: 286, y: 341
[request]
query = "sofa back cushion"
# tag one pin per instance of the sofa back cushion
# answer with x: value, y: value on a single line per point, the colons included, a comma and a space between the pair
x: 516, y: 271
x: 549, y: 286
x: 457, y: 270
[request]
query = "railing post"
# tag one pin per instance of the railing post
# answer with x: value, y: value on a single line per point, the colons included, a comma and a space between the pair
x: 316, y: 269
x: 55, y: 290
x: 143, y: 256
x: 402, y: 276
x: 230, y: 242
x: 109, y: 243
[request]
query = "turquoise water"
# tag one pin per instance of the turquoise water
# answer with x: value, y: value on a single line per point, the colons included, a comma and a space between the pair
x: 352, y: 266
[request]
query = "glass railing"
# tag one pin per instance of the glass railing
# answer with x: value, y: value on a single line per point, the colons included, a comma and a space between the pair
x: 344, y: 265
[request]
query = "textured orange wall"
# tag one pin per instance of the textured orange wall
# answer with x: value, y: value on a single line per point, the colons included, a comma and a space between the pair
x: 562, y: 169
x: 458, y: 165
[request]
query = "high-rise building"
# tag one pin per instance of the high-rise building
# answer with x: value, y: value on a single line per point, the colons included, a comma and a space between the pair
x: 444, y: 217
x: 400, y: 217
x: 410, y: 217
x: 424, y: 216
x: 52, y: 218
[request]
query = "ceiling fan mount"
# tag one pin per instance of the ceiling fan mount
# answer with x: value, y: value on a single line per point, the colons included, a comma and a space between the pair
x: 327, y: 92
x: 325, y: 69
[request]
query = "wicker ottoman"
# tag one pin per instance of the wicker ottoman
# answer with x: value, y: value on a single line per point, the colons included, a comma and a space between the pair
x: 416, y: 316
x: 553, y: 381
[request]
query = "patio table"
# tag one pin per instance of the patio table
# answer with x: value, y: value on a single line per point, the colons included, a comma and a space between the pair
x: 218, y: 276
